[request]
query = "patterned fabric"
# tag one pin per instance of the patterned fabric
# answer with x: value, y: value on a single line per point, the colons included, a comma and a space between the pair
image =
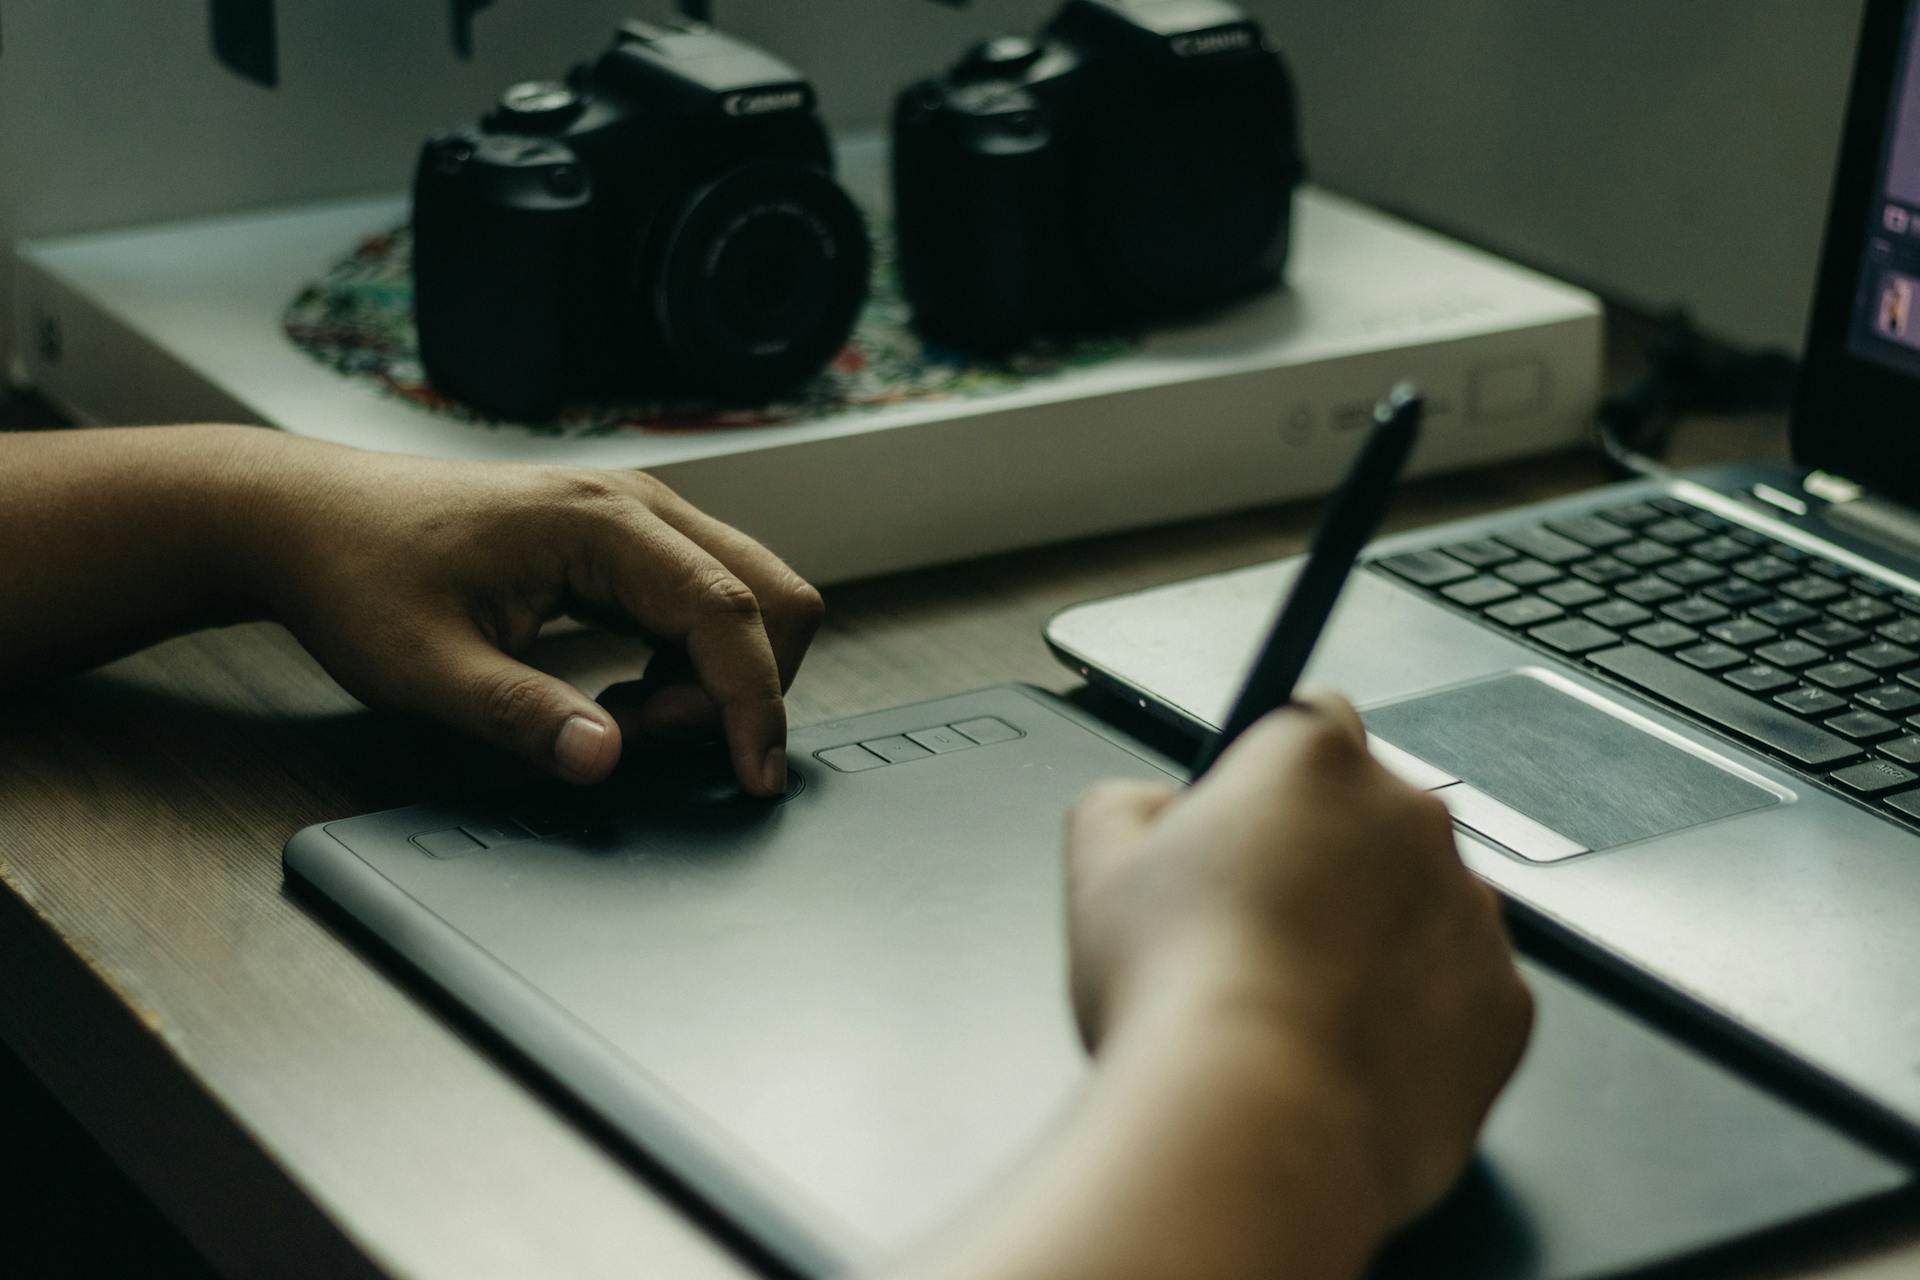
x: 358, y: 321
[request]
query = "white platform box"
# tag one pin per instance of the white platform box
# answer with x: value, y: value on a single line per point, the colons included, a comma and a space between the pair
x: 182, y: 322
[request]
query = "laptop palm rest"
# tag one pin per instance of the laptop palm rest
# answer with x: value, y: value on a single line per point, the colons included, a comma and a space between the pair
x: 1536, y: 765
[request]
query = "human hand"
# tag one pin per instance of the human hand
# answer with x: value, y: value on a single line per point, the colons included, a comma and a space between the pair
x: 419, y: 583
x: 1303, y: 888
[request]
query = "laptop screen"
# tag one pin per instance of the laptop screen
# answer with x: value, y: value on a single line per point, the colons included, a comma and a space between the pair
x: 1857, y: 409
x: 1886, y: 319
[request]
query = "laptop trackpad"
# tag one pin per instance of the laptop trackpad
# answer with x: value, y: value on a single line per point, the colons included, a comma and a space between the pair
x: 1548, y: 773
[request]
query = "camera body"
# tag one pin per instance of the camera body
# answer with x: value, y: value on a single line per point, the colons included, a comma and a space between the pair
x: 663, y: 219
x: 1137, y: 160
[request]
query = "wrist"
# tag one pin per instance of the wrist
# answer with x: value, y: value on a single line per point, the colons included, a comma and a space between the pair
x: 1211, y: 1018
x: 249, y: 506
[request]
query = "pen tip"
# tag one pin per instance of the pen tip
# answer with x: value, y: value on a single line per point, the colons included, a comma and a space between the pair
x: 1403, y: 397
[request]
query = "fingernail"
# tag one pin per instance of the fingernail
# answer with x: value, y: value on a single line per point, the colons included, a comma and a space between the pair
x: 773, y: 774
x: 577, y: 749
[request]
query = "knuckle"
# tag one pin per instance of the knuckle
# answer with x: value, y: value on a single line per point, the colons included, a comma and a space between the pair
x: 802, y: 601
x: 1323, y: 744
x: 584, y: 487
x: 648, y: 487
x: 719, y: 592
x: 1430, y: 815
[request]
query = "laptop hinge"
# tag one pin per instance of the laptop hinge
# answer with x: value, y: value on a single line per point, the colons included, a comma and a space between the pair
x: 1891, y: 524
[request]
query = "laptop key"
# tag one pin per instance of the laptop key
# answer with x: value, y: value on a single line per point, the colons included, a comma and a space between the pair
x: 1528, y: 573
x: 1742, y: 631
x: 1691, y: 573
x: 1618, y: 614
x: 1604, y: 570
x: 1571, y: 593
x: 1883, y: 655
x: 1828, y: 569
x: 1527, y: 611
x: 1673, y: 506
x: 1634, y: 514
x: 1863, y: 726
x: 1645, y: 553
x: 1808, y: 701
x: 1784, y: 613
x: 1590, y: 531
x: 1907, y: 802
x: 1544, y: 544
x: 1870, y: 586
x: 1665, y: 635
x: 1832, y: 635
x: 1574, y: 635
x: 1839, y: 675
x: 1910, y: 604
x: 1759, y: 678
x: 1720, y: 550
x: 1476, y: 592
x: 1861, y: 610
x: 1791, y: 653
x: 1812, y: 590
x: 1872, y: 777
x: 1728, y: 708
x: 1426, y: 568
x: 1648, y: 591
x: 1711, y: 656
x: 1764, y: 569
x: 1738, y: 595
x: 1903, y: 750
x: 1481, y: 553
x: 1901, y: 631
x: 1674, y: 531
x: 1889, y: 699
x: 1695, y: 612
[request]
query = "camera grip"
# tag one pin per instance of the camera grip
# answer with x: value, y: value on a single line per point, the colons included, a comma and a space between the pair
x: 499, y: 282
x: 981, y: 210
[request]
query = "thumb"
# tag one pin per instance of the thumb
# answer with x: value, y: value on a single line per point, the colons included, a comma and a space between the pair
x: 473, y: 686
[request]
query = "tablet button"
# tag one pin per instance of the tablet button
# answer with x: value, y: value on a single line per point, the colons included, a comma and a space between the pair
x: 491, y: 835
x: 853, y: 759
x: 987, y: 730
x: 897, y: 749
x: 450, y: 843
x: 940, y: 741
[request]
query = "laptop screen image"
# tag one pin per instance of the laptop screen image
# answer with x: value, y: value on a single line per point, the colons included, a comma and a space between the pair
x: 1886, y: 322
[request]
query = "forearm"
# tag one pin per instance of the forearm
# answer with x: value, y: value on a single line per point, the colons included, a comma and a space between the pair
x: 1202, y: 1150
x: 116, y: 538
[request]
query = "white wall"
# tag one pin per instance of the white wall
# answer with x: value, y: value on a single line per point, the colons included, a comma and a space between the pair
x: 1664, y: 150
x: 1661, y: 150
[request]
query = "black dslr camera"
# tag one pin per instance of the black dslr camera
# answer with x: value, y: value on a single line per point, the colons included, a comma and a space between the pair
x: 665, y: 218
x: 1137, y: 160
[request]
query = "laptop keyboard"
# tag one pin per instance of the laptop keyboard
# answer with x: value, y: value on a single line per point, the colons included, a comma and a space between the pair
x: 1798, y: 656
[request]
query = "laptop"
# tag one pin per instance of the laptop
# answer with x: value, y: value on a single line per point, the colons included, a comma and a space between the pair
x: 1681, y: 717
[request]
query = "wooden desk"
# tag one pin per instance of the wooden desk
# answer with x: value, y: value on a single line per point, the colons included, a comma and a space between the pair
x: 279, y: 1096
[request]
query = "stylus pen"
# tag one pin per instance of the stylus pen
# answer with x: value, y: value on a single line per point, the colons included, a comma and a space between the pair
x: 1353, y: 515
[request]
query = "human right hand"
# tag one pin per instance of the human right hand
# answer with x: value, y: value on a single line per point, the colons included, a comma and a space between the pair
x: 1303, y: 888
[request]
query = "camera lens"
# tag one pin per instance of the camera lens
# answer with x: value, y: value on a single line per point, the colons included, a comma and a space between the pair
x: 760, y: 279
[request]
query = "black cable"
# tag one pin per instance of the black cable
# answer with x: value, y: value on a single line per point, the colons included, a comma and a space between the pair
x: 1687, y: 373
